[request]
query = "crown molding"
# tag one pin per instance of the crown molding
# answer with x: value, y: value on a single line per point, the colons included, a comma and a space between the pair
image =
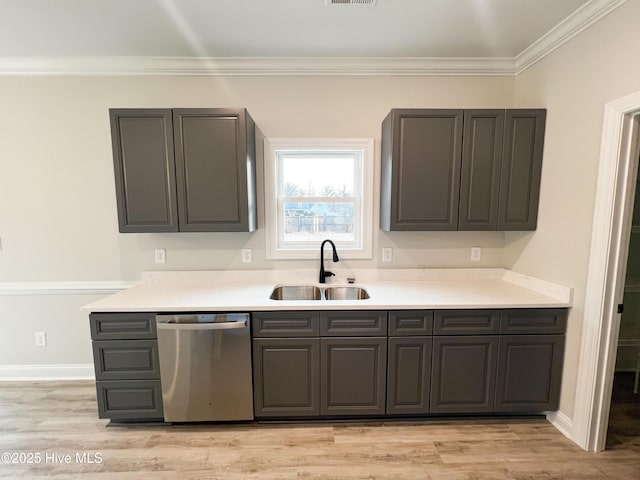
x: 564, y: 31
x: 251, y: 66
x: 581, y: 19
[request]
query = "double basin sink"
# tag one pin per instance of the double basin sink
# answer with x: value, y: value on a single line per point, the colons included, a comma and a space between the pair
x: 313, y: 292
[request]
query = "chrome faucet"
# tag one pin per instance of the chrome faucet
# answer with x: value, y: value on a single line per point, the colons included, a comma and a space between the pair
x: 324, y: 274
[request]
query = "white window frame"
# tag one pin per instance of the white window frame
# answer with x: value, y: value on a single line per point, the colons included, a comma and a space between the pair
x: 363, y: 207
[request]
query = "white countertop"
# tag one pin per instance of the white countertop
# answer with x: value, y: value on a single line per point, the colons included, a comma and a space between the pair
x: 388, y: 289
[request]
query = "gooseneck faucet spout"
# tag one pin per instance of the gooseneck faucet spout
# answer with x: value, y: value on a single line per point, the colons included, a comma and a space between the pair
x: 324, y: 274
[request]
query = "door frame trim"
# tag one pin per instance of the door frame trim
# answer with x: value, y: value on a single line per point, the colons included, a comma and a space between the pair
x: 617, y: 169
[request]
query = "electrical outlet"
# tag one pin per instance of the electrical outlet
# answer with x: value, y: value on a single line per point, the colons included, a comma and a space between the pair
x: 41, y: 339
x: 476, y: 253
x: 387, y: 254
x: 161, y: 255
x: 0, y: 244
x: 246, y: 255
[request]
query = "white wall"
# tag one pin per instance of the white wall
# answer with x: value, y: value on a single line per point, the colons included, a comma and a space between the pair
x: 573, y: 83
x: 57, y: 199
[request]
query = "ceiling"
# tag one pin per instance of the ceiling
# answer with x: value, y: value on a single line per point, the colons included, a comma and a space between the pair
x: 283, y: 29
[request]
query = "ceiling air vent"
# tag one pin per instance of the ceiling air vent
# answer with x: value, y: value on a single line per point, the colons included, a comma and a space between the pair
x: 329, y: 3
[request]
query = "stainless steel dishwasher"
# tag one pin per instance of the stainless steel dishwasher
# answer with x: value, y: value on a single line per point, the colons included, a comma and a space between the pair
x: 205, y: 367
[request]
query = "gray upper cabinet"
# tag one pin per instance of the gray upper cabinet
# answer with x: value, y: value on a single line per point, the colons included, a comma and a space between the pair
x: 215, y: 170
x: 461, y: 169
x: 142, y: 143
x: 184, y: 170
x: 420, y: 180
x: 480, y: 173
x: 521, y: 169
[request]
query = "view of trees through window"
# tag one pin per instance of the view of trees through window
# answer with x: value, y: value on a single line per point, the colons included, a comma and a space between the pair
x: 318, y: 198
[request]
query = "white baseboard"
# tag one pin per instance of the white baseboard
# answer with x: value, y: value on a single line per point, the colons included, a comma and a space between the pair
x: 29, y: 373
x: 563, y: 423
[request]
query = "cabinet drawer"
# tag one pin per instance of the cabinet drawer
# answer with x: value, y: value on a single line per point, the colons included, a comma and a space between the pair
x: 410, y: 322
x: 126, y: 326
x: 126, y: 359
x: 130, y: 400
x: 286, y: 324
x: 466, y: 322
x: 533, y: 321
x: 353, y: 323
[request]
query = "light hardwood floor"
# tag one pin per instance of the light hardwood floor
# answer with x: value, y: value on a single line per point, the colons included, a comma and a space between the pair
x: 60, y: 418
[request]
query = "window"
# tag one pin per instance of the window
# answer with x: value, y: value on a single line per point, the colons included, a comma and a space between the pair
x: 317, y: 189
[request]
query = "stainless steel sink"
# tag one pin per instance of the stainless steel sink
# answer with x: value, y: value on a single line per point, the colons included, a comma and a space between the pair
x: 312, y: 292
x: 345, y: 293
x: 296, y: 292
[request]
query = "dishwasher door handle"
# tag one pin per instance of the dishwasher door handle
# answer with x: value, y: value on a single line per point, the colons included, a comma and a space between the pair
x: 202, y: 326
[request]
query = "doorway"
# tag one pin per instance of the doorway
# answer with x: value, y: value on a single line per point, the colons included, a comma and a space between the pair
x: 617, y: 175
x: 624, y: 415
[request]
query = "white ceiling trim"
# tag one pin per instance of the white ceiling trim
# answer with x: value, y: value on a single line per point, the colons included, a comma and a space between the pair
x: 254, y: 66
x: 587, y: 15
x: 571, y: 26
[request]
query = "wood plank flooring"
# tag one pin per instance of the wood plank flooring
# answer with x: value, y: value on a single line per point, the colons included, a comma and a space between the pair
x: 56, y: 419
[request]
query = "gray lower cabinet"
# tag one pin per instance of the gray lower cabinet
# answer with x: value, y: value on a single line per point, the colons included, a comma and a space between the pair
x: 463, y: 375
x: 130, y: 400
x: 461, y: 169
x: 286, y: 377
x: 125, y: 355
x: 309, y: 364
x: 184, y: 169
x: 353, y: 376
x: 408, y: 375
x: 529, y: 373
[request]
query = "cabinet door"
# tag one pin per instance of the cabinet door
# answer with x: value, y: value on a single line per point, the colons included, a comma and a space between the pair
x: 143, y: 160
x: 480, y: 175
x: 521, y: 169
x: 353, y: 376
x: 420, y: 181
x: 529, y: 373
x: 409, y: 375
x: 286, y: 377
x: 463, y: 375
x: 215, y: 169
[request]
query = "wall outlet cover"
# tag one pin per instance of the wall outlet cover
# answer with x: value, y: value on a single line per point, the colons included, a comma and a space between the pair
x: 41, y: 339
x: 161, y: 255
x: 246, y: 255
x: 476, y: 253
x: 387, y: 254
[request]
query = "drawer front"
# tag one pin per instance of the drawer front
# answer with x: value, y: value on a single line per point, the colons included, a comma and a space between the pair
x: 534, y: 321
x: 466, y: 322
x: 353, y: 323
x: 410, y: 322
x: 126, y: 359
x: 130, y: 400
x: 286, y: 324
x: 125, y: 326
